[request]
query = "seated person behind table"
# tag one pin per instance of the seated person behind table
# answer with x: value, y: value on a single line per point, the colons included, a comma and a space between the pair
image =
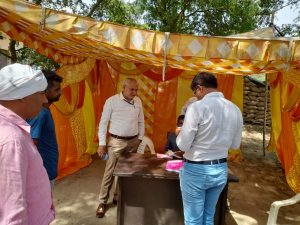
x: 171, y: 142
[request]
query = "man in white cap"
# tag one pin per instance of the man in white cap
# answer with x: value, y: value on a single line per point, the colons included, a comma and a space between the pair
x: 24, y: 185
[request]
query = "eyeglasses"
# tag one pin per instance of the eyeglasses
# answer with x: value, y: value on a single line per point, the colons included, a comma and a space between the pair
x: 196, y: 88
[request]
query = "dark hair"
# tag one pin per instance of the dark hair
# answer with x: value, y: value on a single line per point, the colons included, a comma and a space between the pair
x: 204, y: 79
x: 51, y: 77
x: 181, y: 117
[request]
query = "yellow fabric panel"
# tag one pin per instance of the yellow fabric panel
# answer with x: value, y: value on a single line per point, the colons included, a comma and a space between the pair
x: 73, y: 74
x: 252, y: 50
x: 64, y: 106
x: 292, y: 76
x: 89, y: 121
x: 31, y: 12
x: 187, y: 45
x: 286, y: 145
x: 222, y: 48
x: 141, y: 40
x: 275, y: 99
x: 293, y: 175
x: 70, y: 158
x: 270, y: 78
x: 237, y: 96
x: 78, y: 131
x: 296, y: 52
x: 188, y: 75
x: 278, y: 51
x: 290, y: 97
x: 184, y: 92
x: 285, y: 132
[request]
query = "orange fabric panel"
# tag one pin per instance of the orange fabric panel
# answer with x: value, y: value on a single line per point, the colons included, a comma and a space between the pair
x: 274, y: 80
x: 68, y: 162
x: 225, y: 84
x: 295, y: 113
x: 104, y: 87
x: 287, y: 148
x: 67, y: 93
x: 157, y: 74
x: 165, y: 112
x: 286, y: 144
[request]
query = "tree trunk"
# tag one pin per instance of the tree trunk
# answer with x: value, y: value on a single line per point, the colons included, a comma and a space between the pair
x: 12, y: 51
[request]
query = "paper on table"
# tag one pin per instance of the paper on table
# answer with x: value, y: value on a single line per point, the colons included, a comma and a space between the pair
x: 174, y: 165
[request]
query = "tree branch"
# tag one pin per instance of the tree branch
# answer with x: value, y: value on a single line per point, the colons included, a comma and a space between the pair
x: 181, y: 14
x: 94, y: 7
x: 198, y: 11
x: 12, y: 50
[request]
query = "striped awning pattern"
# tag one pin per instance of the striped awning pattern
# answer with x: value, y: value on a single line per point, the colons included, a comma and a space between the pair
x: 70, y: 39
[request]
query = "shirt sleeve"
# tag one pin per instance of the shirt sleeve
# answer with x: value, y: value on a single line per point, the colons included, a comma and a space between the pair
x: 236, y: 142
x: 13, y: 172
x: 36, y: 125
x: 141, y: 122
x: 189, y: 128
x: 106, y: 114
x: 168, y: 144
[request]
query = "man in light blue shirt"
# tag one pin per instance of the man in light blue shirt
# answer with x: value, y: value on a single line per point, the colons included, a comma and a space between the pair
x: 211, y: 127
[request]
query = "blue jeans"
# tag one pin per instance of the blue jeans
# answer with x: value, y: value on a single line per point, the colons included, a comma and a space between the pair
x: 201, y: 186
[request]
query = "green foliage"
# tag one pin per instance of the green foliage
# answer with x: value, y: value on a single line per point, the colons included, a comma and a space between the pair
x: 29, y: 56
x: 116, y: 11
x: 211, y: 17
x: 228, y: 17
x: 291, y: 30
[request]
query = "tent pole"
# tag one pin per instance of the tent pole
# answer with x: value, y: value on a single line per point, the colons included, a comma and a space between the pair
x: 167, y: 34
x: 43, y: 16
x: 265, y: 114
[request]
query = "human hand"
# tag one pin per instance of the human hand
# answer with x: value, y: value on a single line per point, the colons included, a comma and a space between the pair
x: 101, y: 150
x: 179, y: 154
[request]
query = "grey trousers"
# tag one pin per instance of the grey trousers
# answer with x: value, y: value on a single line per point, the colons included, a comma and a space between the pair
x: 115, y: 147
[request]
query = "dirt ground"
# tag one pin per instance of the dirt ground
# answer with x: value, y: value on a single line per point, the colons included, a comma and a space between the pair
x: 261, y: 181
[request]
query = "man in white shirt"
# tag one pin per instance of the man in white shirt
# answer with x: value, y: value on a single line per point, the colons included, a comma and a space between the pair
x: 124, y: 113
x: 212, y: 125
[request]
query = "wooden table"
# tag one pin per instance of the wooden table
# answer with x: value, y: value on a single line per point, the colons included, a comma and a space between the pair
x: 150, y: 195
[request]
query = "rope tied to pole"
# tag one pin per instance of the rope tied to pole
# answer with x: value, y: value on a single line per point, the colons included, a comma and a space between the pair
x: 166, y: 42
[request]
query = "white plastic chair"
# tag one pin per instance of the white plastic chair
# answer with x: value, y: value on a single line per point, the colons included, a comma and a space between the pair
x: 277, y: 204
x: 146, y: 143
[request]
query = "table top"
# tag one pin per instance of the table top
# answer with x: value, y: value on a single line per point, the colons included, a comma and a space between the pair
x: 149, y: 166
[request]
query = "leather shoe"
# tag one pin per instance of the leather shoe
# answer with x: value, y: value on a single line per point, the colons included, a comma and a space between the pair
x: 100, y: 212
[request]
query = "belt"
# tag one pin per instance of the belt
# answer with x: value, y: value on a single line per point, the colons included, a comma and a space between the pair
x: 207, y: 162
x: 123, y: 138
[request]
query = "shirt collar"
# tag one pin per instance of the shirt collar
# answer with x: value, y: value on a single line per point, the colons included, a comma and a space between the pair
x: 214, y: 94
x: 122, y: 98
x: 14, y: 118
